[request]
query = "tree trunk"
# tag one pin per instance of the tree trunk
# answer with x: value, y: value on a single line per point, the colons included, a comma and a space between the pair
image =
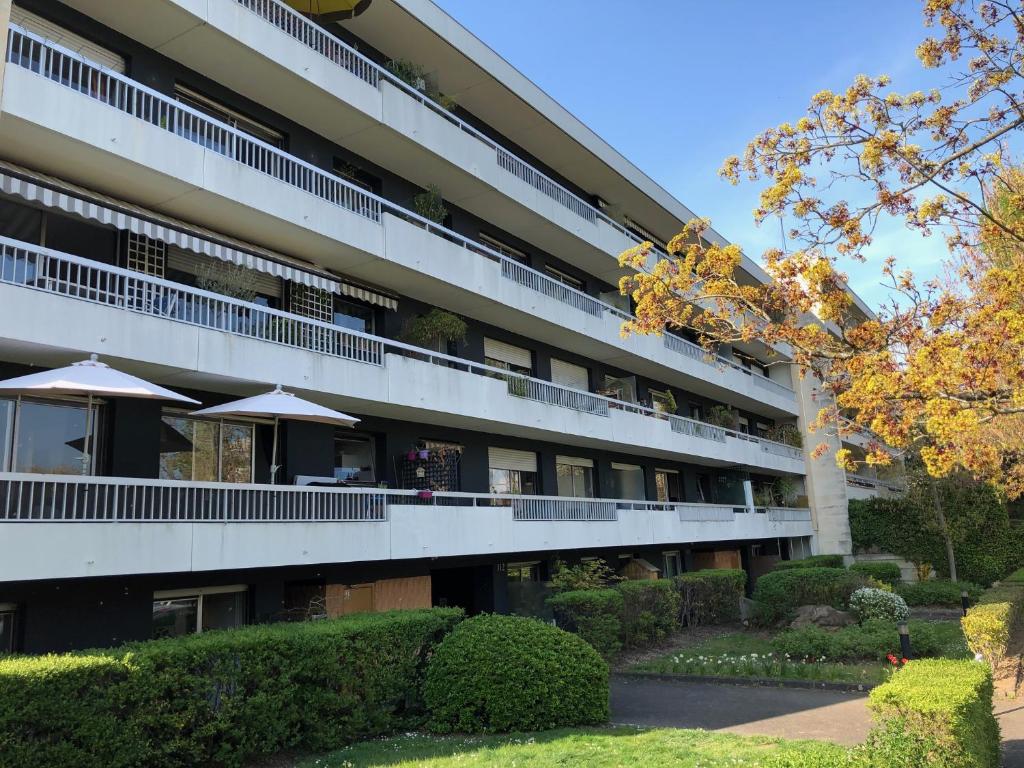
x: 944, y: 529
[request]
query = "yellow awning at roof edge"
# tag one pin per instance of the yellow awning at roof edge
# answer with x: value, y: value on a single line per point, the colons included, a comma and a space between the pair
x: 330, y: 10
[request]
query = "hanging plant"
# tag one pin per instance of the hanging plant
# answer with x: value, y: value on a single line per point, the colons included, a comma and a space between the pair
x: 430, y: 205
x: 435, y: 326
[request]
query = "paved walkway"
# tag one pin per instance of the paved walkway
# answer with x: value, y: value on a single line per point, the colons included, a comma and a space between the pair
x: 786, y: 712
x: 1010, y: 714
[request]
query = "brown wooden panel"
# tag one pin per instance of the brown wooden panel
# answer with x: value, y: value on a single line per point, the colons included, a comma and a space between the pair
x: 721, y: 558
x: 395, y: 594
x: 343, y: 599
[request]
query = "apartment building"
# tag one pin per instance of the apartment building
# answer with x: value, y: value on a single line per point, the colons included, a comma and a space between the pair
x: 384, y: 217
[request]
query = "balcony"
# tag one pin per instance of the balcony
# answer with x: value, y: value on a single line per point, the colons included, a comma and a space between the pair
x: 207, y: 337
x: 234, y: 177
x: 57, y: 526
x: 866, y: 486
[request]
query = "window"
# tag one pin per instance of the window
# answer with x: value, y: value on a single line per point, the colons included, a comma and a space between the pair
x: 504, y: 249
x: 520, y: 572
x: 189, y: 611
x: 704, y: 492
x: 356, y: 317
x: 512, y: 471
x: 563, y: 278
x: 511, y: 358
x: 628, y: 481
x: 197, y: 449
x: 672, y: 564
x: 570, y: 375
x: 744, y: 423
x: 762, y: 429
x: 8, y: 616
x: 218, y: 111
x: 48, y: 437
x: 354, y: 458
x: 696, y: 412
x: 575, y: 476
x: 621, y: 388
x: 668, y: 486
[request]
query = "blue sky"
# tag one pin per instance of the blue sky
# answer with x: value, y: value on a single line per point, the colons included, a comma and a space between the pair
x: 677, y: 85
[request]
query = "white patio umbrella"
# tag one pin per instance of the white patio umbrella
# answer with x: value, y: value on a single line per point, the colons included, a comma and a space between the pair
x: 89, y: 378
x: 279, y: 405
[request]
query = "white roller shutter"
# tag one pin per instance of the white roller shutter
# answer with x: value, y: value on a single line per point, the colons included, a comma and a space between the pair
x: 505, y: 458
x: 574, y: 461
x: 191, y: 263
x: 66, y: 39
x: 507, y: 353
x: 625, y: 467
x: 569, y: 375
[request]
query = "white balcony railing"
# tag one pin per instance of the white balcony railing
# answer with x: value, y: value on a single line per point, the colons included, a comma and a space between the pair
x: 30, y: 498
x: 697, y: 352
x: 42, y: 269
x: 867, y: 481
x: 27, y: 50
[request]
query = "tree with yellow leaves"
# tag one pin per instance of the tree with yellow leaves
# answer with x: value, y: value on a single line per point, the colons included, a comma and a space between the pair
x: 938, y: 371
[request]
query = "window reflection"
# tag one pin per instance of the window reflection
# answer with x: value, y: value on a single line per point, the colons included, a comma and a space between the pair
x: 47, y: 437
x: 205, y: 451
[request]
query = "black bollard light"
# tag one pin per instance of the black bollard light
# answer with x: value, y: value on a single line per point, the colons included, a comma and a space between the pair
x: 965, y: 601
x: 904, y: 631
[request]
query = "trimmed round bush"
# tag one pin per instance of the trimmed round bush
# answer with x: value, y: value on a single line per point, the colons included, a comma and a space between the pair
x: 780, y: 592
x: 814, y: 561
x: 508, y: 673
x: 887, y: 573
x: 711, y: 596
x: 593, y: 614
x: 869, y: 603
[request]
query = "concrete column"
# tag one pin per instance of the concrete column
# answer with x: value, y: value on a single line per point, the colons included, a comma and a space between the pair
x: 826, y: 482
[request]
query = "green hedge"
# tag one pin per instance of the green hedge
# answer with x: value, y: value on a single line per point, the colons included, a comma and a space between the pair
x: 935, y: 712
x: 814, y: 561
x: 779, y: 593
x: 711, y: 596
x: 872, y: 640
x: 989, y: 624
x: 593, y: 614
x: 937, y: 592
x: 887, y: 573
x: 508, y: 673
x: 650, y: 611
x: 219, y: 698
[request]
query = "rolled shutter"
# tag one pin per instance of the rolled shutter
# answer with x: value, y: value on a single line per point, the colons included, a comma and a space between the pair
x: 574, y: 461
x: 626, y: 467
x: 67, y: 39
x: 507, y: 353
x: 506, y: 458
x: 570, y: 375
x: 190, y: 263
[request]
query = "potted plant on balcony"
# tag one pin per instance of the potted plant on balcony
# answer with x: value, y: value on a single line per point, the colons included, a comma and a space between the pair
x: 433, y: 328
x: 430, y: 204
x: 230, y: 280
x: 787, y: 434
x: 722, y: 416
x: 416, y: 77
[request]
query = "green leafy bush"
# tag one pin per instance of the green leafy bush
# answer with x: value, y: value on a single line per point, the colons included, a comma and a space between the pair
x: 220, y: 698
x: 989, y: 624
x: 593, y: 614
x: 887, y: 573
x: 711, y: 596
x: 780, y: 592
x: 937, y: 592
x: 868, y: 603
x: 508, y: 673
x: 650, y: 611
x: 935, y: 712
x: 1017, y: 577
x: 872, y: 640
x: 590, y: 574
x: 814, y: 561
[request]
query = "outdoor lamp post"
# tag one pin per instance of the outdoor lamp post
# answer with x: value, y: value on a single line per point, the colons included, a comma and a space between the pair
x: 904, y: 631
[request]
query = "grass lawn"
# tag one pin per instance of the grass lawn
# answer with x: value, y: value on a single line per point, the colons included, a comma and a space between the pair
x: 752, y: 654
x: 592, y: 747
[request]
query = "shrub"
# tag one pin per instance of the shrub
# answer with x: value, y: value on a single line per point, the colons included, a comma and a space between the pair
x: 508, y: 673
x: 989, y: 624
x: 590, y: 574
x: 872, y: 640
x: 935, y: 712
x: 650, y: 611
x: 594, y: 615
x: 1017, y: 577
x: 937, y: 592
x: 219, y: 698
x: 780, y: 592
x: 868, y: 603
x: 814, y: 561
x: 711, y: 596
x: 887, y: 573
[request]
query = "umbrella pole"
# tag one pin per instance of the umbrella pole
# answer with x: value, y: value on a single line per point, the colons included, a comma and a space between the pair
x: 273, y: 454
x: 87, y: 447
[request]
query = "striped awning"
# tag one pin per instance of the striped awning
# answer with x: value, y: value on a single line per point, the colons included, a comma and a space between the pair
x: 87, y: 204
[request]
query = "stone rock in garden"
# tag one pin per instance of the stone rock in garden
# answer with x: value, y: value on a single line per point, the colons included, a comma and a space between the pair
x: 821, y: 616
x: 748, y: 609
